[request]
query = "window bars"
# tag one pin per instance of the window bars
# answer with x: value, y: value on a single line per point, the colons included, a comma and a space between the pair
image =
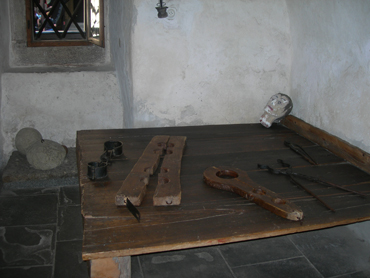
x: 57, y: 9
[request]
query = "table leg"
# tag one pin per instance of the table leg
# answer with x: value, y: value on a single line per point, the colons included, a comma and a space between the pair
x: 117, y: 267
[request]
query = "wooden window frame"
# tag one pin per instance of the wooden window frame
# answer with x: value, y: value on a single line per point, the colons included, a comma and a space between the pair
x: 31, y: 42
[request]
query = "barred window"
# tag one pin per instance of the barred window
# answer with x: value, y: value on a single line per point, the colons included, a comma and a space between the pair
x: 65, y: 22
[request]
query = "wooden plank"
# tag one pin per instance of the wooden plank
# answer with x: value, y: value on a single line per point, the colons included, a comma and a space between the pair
x: 226, y: 223
x: 195, y: 165
x: 168, y: 191
x: 99, y: 200
x: 191, y: 132
x: 238, y: 181
x: 249, y: 160
x: 134, y: 186
x: 207, y: 216
x: 339, y: 147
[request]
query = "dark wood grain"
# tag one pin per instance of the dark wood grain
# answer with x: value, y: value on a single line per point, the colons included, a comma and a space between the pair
x: 134, y: 185
x: 207, y: 216
x: 341, y: 148
x: 168, y: 191
x: 237, y: 181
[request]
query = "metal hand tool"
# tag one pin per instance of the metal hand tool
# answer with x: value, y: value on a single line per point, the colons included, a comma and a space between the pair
x: 298, y: 149
x: 289, y: 172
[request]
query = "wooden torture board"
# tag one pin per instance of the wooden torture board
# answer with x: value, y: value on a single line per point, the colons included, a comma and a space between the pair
x: 168, y: 190
x: 208, y: 216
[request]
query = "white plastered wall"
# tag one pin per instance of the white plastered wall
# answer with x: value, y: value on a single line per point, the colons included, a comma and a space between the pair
x: 44, y: 101
x: 330, y: 78
x: 209, y: 62
x: 57, y: 90
x: 4, y: 60
x: 121, y: 19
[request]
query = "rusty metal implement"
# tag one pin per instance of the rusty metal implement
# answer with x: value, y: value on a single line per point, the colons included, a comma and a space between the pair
x: 299, y: 150
x: 238, y: 181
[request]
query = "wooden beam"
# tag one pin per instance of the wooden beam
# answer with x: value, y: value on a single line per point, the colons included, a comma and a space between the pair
x: 337, y: 146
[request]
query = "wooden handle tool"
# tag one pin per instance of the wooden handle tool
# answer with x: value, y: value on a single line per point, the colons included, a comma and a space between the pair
x: 238, y: 181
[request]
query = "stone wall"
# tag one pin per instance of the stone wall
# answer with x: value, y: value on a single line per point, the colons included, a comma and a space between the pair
x: 57, y: 90
x: 121, y: 19
x: 58, y: 104
x: 4, y: 59
x: 209, y: 62
x: 330, y: 78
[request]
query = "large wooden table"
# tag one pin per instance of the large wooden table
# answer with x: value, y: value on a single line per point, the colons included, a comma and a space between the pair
x: 208, y: 216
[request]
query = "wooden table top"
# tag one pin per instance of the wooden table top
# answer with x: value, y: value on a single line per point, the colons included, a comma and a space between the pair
x: 208, y: 216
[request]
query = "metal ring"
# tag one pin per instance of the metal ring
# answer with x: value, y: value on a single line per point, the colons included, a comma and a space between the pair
x: 115, y: 147
x: 96, y: 170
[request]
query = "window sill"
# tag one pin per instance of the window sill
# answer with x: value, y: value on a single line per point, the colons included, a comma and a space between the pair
x: 57, y: 43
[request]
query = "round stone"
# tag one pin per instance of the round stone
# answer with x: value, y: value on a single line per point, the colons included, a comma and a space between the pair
x: 25, y: 138
x: 46, y: 155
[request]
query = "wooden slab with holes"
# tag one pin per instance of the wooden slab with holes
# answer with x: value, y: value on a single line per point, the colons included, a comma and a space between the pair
x: 238, y: 181
x: 134, y: 186
x: 168, y: 191
x: 207, y: 216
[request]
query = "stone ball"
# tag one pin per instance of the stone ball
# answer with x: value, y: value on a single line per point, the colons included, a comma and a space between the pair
x: 25, y: 138
x: 46, y: 155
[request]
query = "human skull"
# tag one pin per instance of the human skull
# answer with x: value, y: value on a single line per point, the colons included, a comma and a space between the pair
x: 279, y: 106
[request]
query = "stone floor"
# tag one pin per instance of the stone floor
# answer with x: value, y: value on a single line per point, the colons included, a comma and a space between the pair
x: 41, y: 236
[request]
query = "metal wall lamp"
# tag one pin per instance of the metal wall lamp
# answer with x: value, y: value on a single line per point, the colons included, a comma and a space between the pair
x: 162, y: 9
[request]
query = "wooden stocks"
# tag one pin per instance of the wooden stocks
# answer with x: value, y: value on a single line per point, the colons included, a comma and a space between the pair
x: 168, y: 191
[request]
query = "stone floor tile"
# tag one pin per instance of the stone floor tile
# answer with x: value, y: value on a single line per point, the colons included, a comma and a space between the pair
x: 334, y: 251
x: 29, y: 191
x: 28, y: 210
x: 361, y: 230
x: 360, y: 274
x: 69, y: 195
x: 68, y: 260
x: 27, y: 246
x: 260, y: 250
x: 198, y: 262
x: 288, y: 268
x: 135, y: 268
x: 27, y: 272
x: 70, y: 223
